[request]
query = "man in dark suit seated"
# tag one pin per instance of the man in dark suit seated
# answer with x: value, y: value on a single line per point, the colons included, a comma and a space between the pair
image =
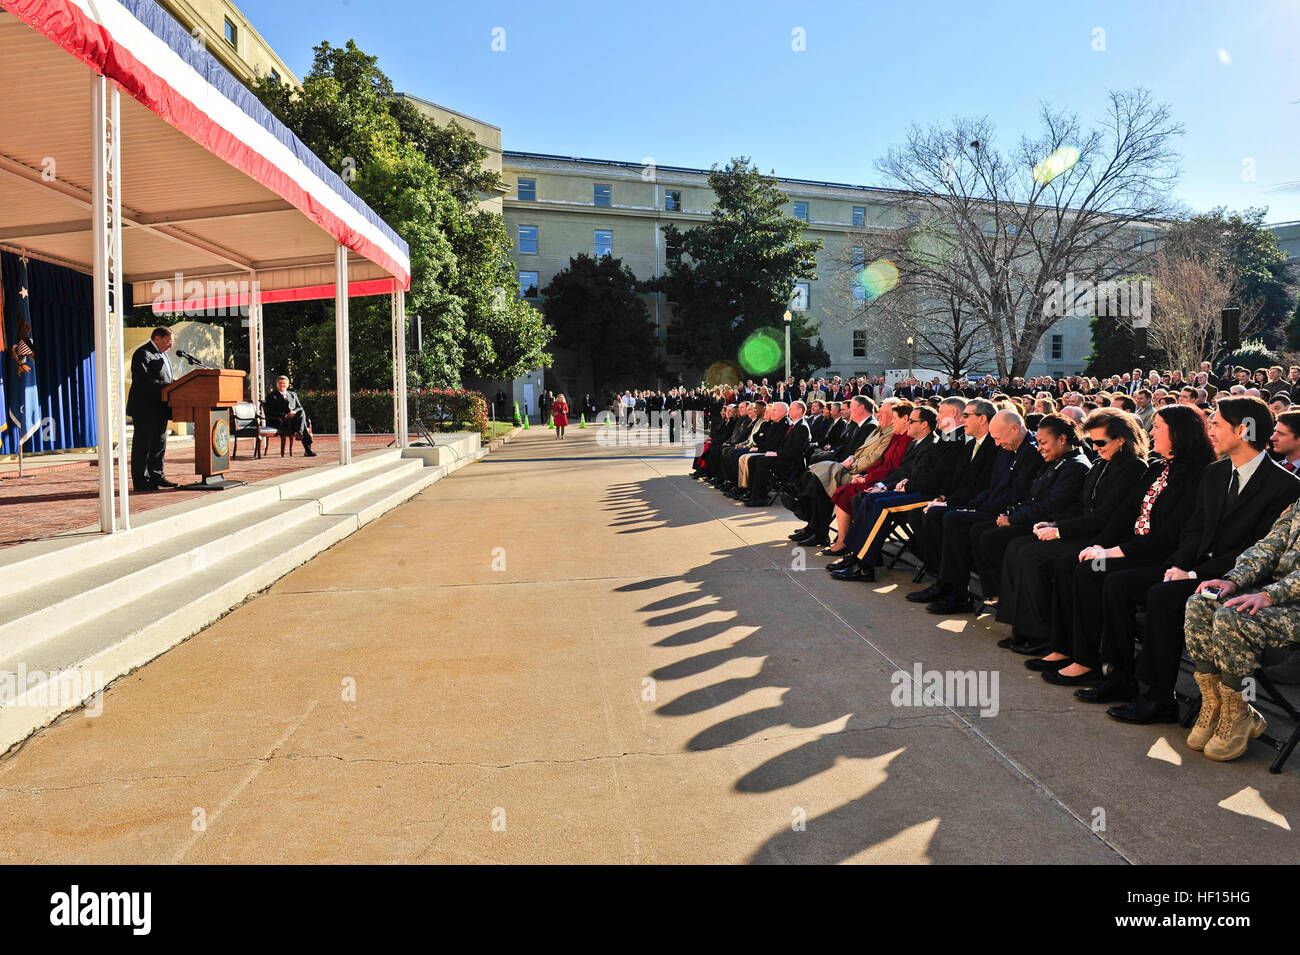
x: 150, y: 370
x: 1240, y: 498
x: 782, y: 461
x: 286, y: 413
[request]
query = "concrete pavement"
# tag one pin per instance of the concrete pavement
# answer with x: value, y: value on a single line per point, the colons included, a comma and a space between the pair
x: 574, y: 653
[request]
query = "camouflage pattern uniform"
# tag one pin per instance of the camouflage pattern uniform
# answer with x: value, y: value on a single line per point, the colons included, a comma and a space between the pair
x: 1231, y: 642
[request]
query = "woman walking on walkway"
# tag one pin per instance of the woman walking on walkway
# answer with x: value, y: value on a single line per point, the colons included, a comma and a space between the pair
x: 560, y: 416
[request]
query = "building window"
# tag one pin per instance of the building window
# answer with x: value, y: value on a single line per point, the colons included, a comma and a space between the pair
x: 527, y: 190
x: 603, y: 196
x: 232, y: 34
x: 801, y: 211
x: 859, y: 216
x: 799, y: 300
x: 912, y: 220
x: 528, y: 285
x: 1058, y: 347
x: 275, y: 77
x: 528, y: 239
x: 604, y: 244
x: 859, y: 257
x: 859, y: 343
x: 672, y: 200
x: 673, y: 247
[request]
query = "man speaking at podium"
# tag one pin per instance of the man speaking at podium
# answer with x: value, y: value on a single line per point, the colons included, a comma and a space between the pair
x: 284, y: 408
x: 150, y: 370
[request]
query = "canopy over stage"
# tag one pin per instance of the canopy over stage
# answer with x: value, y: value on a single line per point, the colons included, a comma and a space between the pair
x: 185, y: 179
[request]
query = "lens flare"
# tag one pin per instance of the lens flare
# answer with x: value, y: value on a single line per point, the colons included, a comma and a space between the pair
x: 1059, y: 162
x: 722, y: 373
x: 877, y: 278
x: 762, y: 351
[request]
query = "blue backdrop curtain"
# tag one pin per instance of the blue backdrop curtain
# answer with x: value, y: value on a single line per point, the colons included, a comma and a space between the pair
x: 62, y: 303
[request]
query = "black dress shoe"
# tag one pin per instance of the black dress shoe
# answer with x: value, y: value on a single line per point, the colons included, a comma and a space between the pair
x: 1055, y: 678
x: 1005, y: 642
x: 1042, y: 666
x: 928, y: 595
x: 309, y: 453
x: 1029, y: 647
x: 848, y: 560
x: 958, y: 603
x: 1109, y: 690
x: 756, y: 502
x: 828, y: 552
x: 801, y: 532
x: 1143, y: 712
x: 163, y: 482
x: 855, y: 571
x: 814, y: 540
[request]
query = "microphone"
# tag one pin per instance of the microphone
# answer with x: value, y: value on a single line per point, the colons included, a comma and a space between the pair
x: 189, y: 358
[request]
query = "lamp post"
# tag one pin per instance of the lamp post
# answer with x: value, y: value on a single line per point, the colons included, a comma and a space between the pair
x: 911, y: 355
x: 789, y: 319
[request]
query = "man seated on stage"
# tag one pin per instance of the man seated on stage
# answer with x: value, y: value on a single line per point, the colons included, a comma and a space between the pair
x: 285, y: 411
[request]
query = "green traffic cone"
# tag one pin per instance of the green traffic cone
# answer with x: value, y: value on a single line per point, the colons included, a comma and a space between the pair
x: 582, y: 421
x: 525, y: 422
x: 549, y: 423
x: 516, y: 413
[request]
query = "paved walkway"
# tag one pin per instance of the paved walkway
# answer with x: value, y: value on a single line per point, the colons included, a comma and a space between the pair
x: 572, y: 653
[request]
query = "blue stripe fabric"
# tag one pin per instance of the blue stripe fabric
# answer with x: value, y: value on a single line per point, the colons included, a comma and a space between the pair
x: 162, y: 25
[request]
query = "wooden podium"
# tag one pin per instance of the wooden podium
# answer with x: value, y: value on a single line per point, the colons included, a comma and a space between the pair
x: 203, y: 397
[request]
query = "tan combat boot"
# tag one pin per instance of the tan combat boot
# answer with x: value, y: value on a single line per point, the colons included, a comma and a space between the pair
x: 1239, y: 723
x: 1209, y: 684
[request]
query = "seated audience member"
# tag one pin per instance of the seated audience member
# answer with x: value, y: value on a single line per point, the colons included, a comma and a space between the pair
x: 762, y: 441
x: 1240, y: 498
x: 1035, y: 566
x: 1285, y: 443
x: 936, y: 448
x: 1141, y: 533
x: 971, y: 478
x: 1014, y: 469
x: 1258, y: 606
x: 285, y: 412
x: 890, y: 457
x: 1053, y: 495
x: 782, y: 459
x: 861, y: 446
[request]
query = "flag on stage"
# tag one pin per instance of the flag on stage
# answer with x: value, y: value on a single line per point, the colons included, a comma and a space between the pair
x: 24, y: 402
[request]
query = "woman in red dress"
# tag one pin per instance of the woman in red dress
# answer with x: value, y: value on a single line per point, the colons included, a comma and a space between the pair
x: 560, y: 416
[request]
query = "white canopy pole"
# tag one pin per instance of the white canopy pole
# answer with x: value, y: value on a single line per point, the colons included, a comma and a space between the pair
x: 342, y: 355
x: 101, y: 151
x: 255, y: 369
x: 117, y: 319
x: 403, y: 430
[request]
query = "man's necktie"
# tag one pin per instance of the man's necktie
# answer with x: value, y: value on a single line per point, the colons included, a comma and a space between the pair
x: 1234, y: 488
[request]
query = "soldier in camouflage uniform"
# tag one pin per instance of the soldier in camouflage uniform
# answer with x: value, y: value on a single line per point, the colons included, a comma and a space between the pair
x: 1259, y: 607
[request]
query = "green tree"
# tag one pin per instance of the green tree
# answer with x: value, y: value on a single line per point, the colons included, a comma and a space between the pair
x: 424, y: 181
x: 1241, y: 247
x: 736, y: 273
x: 595, y: 310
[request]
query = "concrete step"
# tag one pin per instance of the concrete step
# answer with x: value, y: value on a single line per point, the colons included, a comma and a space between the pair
x: 33, y: 564
x: 91, y: 621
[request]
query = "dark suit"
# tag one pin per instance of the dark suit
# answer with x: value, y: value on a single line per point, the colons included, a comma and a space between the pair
x: 1089, y: 579
x: 1053, y: 494
x: 150, y: 370
x: 790, y: 453
x: 278, y: 408
x: 1210, y: 544
x: 923, y: 467
x: 971, y: 476
x: 1030, y: 566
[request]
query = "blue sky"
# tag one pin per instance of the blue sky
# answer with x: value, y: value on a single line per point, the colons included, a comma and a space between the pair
x: 690, y: 84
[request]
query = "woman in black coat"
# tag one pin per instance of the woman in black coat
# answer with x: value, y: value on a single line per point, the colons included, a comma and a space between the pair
x: 1144, y: 531
x: 1029, y: 568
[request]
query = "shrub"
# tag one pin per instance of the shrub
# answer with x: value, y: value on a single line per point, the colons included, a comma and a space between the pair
x: 440, y: 409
